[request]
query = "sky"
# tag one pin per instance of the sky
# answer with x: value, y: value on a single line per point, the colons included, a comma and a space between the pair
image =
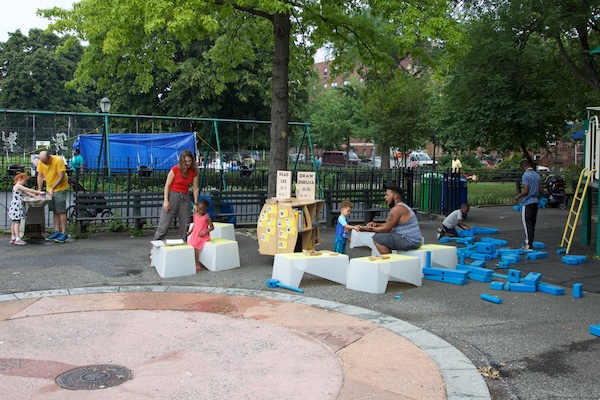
x: 20, y: 14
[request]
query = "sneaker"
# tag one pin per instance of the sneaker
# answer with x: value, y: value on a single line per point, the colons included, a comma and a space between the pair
x: 61, y: 238
x: 12, y: 241
x: 53, y: 236
x: 439, y: 233
x: 20, y: 242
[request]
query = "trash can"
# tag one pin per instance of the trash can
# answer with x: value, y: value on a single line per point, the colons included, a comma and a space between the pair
x: 430, y: 192
x: 454, y: 193
x: 14, y: 169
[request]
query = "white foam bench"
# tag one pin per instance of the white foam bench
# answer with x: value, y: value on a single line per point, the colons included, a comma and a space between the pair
x: 220, y: 254
x: 223, y: 230
x: 372, y: 276
x: 289, y: 268
x: 441, y: 256
x: 365, y: 239
x: 174, y: 261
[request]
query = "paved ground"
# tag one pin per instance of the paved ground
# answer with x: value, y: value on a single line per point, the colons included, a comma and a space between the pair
x: 539, y: 344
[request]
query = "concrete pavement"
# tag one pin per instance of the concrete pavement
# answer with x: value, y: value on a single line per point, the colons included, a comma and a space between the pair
x: 539, y: 344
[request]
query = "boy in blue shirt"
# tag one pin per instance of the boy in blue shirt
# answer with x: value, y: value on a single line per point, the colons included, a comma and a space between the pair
x: 342, y: 227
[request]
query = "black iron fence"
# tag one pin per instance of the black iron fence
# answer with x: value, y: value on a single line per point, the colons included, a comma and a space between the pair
x: 428, y: 190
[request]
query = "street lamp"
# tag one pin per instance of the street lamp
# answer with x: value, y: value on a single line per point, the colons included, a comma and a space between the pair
x: 105, y: 108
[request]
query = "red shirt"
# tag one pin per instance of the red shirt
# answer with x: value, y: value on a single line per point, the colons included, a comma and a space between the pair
x: 180, y: 183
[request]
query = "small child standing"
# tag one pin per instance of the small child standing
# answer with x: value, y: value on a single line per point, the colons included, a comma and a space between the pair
x: 342, y: 227
x: 16, y: 211
x: 453, y: 220
x: 200, y: 232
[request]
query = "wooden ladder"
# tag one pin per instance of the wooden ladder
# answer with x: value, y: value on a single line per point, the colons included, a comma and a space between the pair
x: 576, y: 208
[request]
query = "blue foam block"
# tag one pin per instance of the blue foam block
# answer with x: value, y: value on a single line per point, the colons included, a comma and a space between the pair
x: 498, y: 242
x: 538, y: 245
x: 550, y: 289
x: 485, y: 248
x: 536, y: 255
x: 496, y: 285
x: 503, y: 265
x: 445, y: 272
x: 465, y: 233
x: 478, y: 264
x: 484, y: 231
x: 570, y: 260
x: 520, y: 287
x: 507, y: 286
x: 577, y: 290
x: 446, y: 279
x: 444, y: 240
x: 500, y: 276
x: 514, y: 275
x: 509, y: 259
x: 532, y: 278
x: 561, y: 251
x: 595, y: 330
x: 475, y: 270
x: 480, y: 278
x: 490, y: 298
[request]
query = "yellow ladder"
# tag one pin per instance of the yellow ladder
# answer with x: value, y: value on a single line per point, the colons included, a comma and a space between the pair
x: 576, y: 209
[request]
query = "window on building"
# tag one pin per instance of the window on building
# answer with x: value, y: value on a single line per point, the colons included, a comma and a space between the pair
x: 325, y: 85
x: 346, y: 83
x: 333, y: 84
x: 325, y: 71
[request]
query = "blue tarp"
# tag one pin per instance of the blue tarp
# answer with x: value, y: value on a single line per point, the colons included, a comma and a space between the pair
x: 132, y: 150
x: 578, y: 135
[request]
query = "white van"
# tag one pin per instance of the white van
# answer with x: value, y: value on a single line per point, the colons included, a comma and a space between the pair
x: 413, y: 159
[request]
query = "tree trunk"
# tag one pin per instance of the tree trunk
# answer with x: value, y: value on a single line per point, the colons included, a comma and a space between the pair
x: 279, y: 100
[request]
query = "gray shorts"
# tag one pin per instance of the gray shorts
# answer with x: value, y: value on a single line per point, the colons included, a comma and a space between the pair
x: 58, y: 204
x: 395, y: 241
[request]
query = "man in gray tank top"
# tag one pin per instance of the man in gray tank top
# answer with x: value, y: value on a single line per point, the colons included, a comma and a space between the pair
x: 401, y: 230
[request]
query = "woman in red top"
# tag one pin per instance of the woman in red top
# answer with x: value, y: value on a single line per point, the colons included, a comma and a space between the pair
x: 176, y: 197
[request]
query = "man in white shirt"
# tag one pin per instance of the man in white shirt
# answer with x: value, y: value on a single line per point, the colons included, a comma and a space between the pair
x: 456, y: 165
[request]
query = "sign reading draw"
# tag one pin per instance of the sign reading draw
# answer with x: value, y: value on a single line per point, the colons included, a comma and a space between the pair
x: 9, y: 141
x: 305, y: 186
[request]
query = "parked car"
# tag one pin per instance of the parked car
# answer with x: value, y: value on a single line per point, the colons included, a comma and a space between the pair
x: 293, y: 156
x: 339, y: 158
x: 373, y: 162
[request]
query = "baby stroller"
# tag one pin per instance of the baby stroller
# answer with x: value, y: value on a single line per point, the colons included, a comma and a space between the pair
x: 555, y: 185
x: 97, y: 206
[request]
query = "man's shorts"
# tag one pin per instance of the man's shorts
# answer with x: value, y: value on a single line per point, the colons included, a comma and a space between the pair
x: 58, y: 204
x: 395, y: 241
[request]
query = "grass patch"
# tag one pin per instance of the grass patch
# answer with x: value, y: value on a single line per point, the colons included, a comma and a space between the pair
x: 491, y: 193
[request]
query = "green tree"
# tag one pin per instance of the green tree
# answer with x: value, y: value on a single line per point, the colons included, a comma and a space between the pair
x: 33, y: 74
x: 506, y: 94
x: 144, y: 32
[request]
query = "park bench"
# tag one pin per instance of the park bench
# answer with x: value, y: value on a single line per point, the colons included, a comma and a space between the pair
x: 368, y: 202
x: 229, y: 205
x: 105, y: 207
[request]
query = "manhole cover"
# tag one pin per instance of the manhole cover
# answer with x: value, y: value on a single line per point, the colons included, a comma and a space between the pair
x: 93, y: 377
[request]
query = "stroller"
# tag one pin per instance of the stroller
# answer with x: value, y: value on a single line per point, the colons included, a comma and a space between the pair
x: 555, y: 185
x: 97, y: 206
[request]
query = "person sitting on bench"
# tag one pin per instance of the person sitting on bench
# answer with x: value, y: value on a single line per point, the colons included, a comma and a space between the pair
x: 401, y: 230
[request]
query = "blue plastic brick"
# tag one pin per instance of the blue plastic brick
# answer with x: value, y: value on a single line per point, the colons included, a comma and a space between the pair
x: 500, y: 276
x: 444, y: 240
x: 475, y: 270
x: 478, y: 264
x: 480, y: 256
x: 561, y: 251
x: 577, y: 290
x: 532, y: 278
x: 595, y: 330
x: 521, y: 287
x: 496, y: 285
x: 446, y: 279
x: 503, y: 265
x: 461, y: 258
x: 538, y: 245
x: 480, y: 278
x: 498, y: 242
x: 514, y: 275
x: 509, y: 259
x: 465, y: 233
x: 490, y: 298
x: 445, y: 272
x: 581, y: 259
x: 550, y: 289
x: 485, y: 248
x: 507, y: 286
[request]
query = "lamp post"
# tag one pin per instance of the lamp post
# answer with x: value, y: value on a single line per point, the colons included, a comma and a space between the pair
x: 105, y: 108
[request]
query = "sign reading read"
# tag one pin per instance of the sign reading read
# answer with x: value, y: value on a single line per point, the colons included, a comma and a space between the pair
x: 284, y: 185
x: 305, y: 186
